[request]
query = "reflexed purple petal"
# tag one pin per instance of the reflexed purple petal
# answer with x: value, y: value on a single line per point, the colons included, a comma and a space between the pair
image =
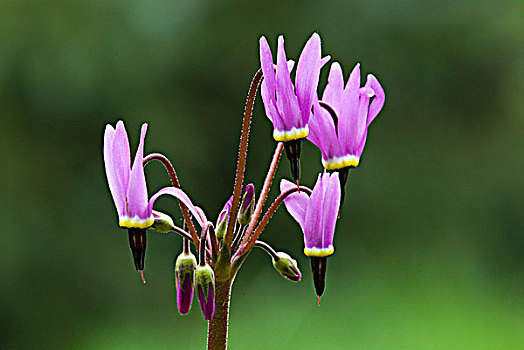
x: 180, y: 195
x: 324, y: 60
x: 322, y: 133
x: 308, y: 72
x: 270, y: 105
x: 137, y: 201
x: 378, y: 101
x: 313, y: 229
x: 296, y: 203
x: 348, y: 119
x: 117, y: 160
x: 334, y: 88
x: 331, y: 205
x: 286, y: 99
x: 361, y: 126
x: 266, y: 62
x: 184, y: 295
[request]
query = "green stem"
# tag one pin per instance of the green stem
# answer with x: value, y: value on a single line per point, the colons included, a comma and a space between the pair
x: 218, y: 325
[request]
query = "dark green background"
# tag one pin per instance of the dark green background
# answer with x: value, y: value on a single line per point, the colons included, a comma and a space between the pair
x: 430, y: 246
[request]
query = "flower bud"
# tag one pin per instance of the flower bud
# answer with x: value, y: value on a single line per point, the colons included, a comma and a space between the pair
x: 221, y: 225
x: 205, y: 283
x: 163, y: 222
x: 247, y: 206
x: 184, y: 280
x: 287, y: 267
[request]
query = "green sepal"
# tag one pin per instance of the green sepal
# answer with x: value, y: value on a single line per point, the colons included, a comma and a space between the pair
x: 163, y: 222
x: 287, y: 267
x: 204, y: 277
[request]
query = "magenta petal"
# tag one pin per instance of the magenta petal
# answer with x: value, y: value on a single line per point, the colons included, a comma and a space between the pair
x: 348, y: 119
x: 334, y: 88
x: 313, y: 231
x: 266, y: 62
x: 117, y: 160
x: 331, y: 205
x: 308, y: 71
x: 296, y: 203
x: 286, y: 99
x: 270, y: 105
x: 322, y: 133
x: 180, y: 195
x: 137, y: 199
x: 324, y: 60
x: 378, y: 101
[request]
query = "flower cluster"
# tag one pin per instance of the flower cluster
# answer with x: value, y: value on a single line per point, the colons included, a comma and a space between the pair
x: 337, y: 123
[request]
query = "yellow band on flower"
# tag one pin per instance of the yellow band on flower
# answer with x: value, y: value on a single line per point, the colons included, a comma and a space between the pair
x: 319, y: 252
x: 290, y: 135
x: 340, y: 162
x: 136, y: 222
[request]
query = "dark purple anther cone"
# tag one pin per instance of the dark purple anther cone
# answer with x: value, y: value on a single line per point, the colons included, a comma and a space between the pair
x: 318, y: 267
x: 293, y: 150
x: 207, y: 304
x: 137, y: 242
x: 184, y: 295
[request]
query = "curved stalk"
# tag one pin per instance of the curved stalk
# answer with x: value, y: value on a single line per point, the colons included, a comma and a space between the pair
x: 269, y: 213
x: 174, y: 180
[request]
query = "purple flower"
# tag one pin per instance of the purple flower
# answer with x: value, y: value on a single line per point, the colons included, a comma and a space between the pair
x: 289, y: 108
x: 341, y: 137
x: 129, y: 190
x: 316, y: 215
x: 127, y: 185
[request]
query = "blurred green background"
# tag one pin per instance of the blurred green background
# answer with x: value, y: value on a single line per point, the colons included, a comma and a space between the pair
x: 430, y: 246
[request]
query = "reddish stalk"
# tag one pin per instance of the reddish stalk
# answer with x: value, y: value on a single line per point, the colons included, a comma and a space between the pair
x: 269, y: 213
x: 242, y: 155
x: 265, y: 191
x: 174, y: 180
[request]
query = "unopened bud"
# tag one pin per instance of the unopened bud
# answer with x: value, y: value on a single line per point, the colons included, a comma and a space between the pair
x: 287, y: 267
x: 221, y: 225
x: 247, y: 206
x: 163, y: 222
x: 184, y: 279
x: 205, y: 284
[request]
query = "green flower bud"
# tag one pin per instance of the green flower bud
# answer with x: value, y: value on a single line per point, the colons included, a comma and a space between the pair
x: 205, y: 284
x: 287, y: 267
x: 163, y: 222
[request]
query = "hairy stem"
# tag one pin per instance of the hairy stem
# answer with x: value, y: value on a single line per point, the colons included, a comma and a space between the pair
x: 174, y: 180
x: 242, y: 155
x: 270, y: 212
x: 217, y: 326
x: 265, y: 190
x: 267, y: 248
